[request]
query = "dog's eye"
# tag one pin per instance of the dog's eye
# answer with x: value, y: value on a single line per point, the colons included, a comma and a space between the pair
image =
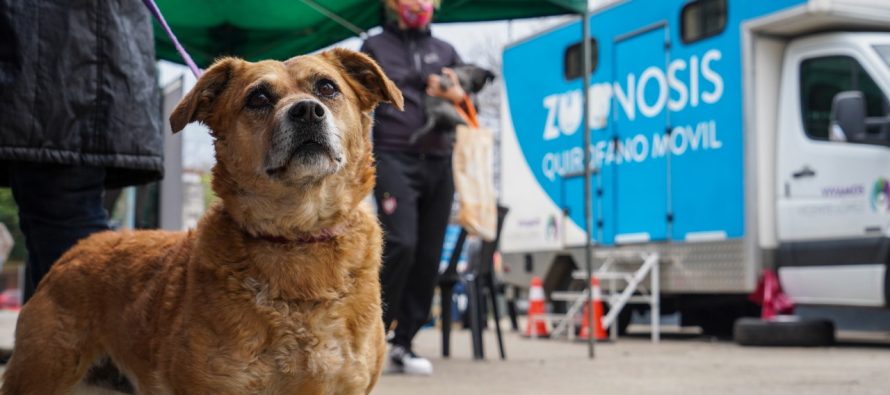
x: 326, y: 88
x: 259, y: 99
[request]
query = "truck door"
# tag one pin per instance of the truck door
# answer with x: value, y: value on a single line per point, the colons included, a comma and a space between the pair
x: 832, y: 174
x: 634, y: 185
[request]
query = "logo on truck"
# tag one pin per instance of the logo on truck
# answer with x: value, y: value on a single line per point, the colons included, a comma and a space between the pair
x: 564, y: 113
x: 880, y: 196
x: 686, y: 83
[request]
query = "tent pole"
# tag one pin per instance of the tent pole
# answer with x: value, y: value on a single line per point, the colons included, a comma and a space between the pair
x: 588, y: 204
x: 336, y: 18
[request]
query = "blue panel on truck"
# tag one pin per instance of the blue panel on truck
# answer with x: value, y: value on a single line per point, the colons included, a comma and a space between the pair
x: 667, y: 122
x: 637, y: 176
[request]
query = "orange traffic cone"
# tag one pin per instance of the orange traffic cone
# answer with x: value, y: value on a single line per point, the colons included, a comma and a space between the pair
x: 597, y: 305
x: 536, y: 326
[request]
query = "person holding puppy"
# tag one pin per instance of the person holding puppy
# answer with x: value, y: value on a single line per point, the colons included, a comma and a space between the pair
x: 414, y: 188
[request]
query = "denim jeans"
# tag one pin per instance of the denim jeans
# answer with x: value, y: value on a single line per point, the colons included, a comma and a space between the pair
x: 58, y: 205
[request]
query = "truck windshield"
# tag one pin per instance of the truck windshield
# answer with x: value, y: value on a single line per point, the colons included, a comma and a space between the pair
x: 884, y: 52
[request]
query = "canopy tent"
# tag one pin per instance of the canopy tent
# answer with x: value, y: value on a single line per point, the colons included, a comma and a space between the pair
x: 280, y: 29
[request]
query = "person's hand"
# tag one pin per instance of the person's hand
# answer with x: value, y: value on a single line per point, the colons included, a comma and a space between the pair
x: 454, y: 93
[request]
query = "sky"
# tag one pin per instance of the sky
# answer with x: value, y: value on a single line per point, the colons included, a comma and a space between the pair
x: 474, y: 42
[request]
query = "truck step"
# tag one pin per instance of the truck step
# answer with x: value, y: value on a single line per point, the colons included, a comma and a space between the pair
x: 553, y: 318
x: 571, y: 296
x: 582, y: 275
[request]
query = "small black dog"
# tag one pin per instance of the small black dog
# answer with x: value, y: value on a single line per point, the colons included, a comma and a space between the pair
x: 441, y: 116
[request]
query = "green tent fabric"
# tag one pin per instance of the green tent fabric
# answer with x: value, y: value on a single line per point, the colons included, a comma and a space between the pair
x: 280, y: 29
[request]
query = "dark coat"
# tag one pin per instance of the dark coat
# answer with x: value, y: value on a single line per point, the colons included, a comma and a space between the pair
x: 408, y: 57
x: 78, y: 85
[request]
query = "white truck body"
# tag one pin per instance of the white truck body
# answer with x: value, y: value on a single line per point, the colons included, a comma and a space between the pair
x: 718, y: 139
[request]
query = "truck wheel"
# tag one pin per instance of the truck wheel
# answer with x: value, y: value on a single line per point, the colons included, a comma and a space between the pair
x: 786, y: 331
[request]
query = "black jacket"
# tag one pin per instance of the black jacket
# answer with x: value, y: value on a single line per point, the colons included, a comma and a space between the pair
x: 78, y: 85
x: 408, y: 57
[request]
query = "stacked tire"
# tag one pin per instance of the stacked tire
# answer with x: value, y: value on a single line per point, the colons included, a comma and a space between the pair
x: 783, y: 331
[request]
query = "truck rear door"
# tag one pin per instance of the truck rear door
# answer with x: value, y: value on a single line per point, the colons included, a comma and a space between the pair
x: 635, y: 187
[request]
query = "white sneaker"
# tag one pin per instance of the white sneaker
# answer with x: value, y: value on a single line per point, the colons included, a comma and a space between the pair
x: 402, y: 360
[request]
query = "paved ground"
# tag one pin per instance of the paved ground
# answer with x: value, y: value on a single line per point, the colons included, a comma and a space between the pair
x: 680, y: 364
x: 688, y: 365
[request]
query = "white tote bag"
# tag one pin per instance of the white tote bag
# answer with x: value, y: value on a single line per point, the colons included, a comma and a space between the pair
x: 474, y: 181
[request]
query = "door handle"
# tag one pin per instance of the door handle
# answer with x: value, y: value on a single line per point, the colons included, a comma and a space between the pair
x: 805, y: 172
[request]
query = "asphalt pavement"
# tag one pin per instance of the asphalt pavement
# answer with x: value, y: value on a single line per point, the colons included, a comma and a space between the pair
x: 687, y: 364
x: 682, y: 363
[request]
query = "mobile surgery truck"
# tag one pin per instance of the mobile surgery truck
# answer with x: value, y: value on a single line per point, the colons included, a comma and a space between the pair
x: 731, y: 136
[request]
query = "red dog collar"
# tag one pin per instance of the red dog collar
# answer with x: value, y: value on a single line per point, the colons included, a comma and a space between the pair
x: 326, y: 234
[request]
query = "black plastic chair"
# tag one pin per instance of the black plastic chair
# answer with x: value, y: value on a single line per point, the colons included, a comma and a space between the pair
x: 480, y: 280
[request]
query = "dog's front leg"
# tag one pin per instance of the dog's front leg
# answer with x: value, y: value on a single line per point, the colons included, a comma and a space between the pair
x: 52, y: 350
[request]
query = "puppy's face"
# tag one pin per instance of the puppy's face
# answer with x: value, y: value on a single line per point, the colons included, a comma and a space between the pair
x: 473, y: 78
x: 284, y: 128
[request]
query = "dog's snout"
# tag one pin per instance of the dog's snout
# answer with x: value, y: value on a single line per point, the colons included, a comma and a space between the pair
x: 307, y: 111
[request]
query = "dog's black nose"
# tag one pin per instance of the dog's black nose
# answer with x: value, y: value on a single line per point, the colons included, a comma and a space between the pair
x: 307, y: 111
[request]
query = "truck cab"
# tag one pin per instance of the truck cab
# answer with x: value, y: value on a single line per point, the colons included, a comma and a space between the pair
x: 832, y: 169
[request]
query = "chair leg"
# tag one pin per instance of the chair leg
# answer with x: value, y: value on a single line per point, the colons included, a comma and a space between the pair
x: 446, y: 293
x: 473, y: 290
x: 489, y: 279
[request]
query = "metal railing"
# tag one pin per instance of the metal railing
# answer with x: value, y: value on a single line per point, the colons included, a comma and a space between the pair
x: 633, y: 292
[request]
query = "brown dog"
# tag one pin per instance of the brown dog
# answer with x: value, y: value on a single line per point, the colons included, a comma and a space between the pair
x: 276, y: 291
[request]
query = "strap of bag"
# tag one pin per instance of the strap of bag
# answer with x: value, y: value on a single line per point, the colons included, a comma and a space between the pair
x: 470, y: 114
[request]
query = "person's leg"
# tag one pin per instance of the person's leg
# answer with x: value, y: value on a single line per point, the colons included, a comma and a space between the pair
x: 434, y: 210
x: 397, y: 211
x: 58, y: 205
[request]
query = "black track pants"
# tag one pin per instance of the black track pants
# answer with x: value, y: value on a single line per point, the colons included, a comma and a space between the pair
x: 414, y: 195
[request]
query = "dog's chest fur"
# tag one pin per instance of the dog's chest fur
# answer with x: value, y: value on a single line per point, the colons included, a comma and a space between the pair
x: 299, y: 313
x: 300, y: 347
x: 303, y: 341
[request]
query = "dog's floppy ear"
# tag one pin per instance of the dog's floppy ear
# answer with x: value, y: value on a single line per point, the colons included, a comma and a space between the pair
x: 373, y: 85
x: 195, y: 105
x: 481, y: 77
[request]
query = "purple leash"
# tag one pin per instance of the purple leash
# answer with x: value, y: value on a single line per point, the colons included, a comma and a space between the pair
x: 153, y: 7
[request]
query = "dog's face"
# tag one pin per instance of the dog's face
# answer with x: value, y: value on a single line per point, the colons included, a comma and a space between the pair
x: 289, y: 128
x: 473, y: 78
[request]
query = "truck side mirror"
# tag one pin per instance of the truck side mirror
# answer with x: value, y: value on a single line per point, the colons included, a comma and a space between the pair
x: 847, y: 116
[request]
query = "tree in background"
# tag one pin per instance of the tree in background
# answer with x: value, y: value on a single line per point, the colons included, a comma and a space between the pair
x: 9, y: 216
x: 209, y: 195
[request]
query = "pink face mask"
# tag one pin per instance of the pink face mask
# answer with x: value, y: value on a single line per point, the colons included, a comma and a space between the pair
x: 416, y: 19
